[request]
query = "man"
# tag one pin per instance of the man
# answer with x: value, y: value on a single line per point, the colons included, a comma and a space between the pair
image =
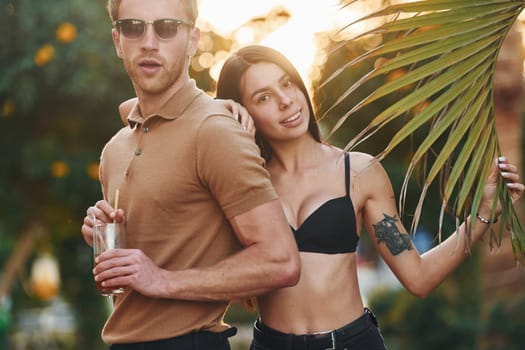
x: 204, y: 225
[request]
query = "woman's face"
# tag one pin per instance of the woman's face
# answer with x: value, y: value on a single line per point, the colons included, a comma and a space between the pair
x: 278, y: 107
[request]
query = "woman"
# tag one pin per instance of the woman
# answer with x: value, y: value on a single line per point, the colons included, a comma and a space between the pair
x: 327, y: 196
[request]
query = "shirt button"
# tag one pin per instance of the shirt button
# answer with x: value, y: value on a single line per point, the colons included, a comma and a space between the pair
x: 138, y: 152
x: 145, y: 129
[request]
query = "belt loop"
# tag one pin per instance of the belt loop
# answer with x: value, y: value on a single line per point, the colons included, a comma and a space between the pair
x: 372, y: 317
x: 332, y: 340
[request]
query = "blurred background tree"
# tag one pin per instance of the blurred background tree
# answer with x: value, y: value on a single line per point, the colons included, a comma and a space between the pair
x: 60, y: 85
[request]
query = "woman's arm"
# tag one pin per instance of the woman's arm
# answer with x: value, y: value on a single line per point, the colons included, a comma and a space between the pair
x: 420, y: 274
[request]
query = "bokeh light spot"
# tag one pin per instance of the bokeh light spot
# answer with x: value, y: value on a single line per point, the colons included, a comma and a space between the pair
x: 59, y: 169
x: 66, y: 33
x: 44, y: 55
x: 92, y: 170
x: 8, y: 108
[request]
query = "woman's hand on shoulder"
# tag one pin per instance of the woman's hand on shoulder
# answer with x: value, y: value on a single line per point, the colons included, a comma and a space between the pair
x: 240, y: 114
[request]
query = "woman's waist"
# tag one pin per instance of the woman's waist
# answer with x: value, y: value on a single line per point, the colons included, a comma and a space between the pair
x: 304, y: 313
x: 264, y: 333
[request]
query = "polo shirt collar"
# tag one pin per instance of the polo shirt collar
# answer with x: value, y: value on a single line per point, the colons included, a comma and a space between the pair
x: 172, y: 109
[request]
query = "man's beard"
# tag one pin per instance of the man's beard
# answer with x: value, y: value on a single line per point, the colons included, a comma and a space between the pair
x: 159, y: 83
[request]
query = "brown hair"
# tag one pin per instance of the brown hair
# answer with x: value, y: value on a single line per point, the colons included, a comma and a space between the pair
x: 229, y: 83
x: 192, y: 9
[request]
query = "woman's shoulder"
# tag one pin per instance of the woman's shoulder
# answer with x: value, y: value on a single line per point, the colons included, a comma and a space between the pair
x: 364, y: 164
x: 361, y: 157
x: 361, y: 160
x: 358, y: 160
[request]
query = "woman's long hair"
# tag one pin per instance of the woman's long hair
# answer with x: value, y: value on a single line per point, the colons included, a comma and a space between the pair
x: 229, y: 84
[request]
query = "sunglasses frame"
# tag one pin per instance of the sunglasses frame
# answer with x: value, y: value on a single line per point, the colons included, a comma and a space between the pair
x: 118, y: 24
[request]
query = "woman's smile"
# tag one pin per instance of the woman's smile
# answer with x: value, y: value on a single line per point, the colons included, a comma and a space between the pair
x: 293, y: 120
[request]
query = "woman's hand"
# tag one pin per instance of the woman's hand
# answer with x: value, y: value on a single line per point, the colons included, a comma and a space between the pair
x: 241, y: 115
x: 509, y: 173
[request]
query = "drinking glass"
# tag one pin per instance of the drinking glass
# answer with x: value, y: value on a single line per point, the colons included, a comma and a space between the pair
x: 108, y: 236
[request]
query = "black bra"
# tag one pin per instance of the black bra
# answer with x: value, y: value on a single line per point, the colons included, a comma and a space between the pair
x: 331, y: 228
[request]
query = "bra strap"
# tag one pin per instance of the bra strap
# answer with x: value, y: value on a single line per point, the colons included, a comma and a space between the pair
x: 347, y: 173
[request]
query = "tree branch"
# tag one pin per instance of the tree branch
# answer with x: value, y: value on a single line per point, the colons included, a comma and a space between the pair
x: 20, y: 255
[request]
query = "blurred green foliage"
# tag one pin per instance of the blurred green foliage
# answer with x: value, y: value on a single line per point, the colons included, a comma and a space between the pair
x: 60, y: 85
x: 503, y: 328
x: 452, y: 317
x: 449, y: 318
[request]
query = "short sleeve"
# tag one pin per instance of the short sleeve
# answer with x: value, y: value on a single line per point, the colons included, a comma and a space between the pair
x: 230, y: 166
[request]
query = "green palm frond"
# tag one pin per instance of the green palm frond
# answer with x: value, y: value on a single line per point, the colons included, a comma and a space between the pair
x: 448, y: 51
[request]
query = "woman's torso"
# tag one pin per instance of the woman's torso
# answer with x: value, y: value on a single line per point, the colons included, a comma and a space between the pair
x: 327, y: 295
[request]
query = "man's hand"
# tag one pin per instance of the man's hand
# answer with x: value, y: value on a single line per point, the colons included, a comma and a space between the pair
x: 100, y: 212
x: 130, y: 268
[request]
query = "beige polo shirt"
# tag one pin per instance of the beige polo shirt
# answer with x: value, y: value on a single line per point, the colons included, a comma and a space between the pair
x: 181, y: 174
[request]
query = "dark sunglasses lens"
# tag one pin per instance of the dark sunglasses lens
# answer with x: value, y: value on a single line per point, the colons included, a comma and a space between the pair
x: 132, y: 28
x: 165, y: 28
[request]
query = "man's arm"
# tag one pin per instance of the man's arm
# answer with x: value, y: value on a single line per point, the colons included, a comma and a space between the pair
x: 269, y: 260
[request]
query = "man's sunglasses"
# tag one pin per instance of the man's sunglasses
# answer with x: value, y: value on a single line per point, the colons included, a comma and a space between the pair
x: 165, y: 28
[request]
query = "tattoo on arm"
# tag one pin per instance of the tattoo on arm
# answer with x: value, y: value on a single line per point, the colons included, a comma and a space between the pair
x: 386, y: 231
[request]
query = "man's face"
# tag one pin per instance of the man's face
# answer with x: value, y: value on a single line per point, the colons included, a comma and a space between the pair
x: 155, y: 65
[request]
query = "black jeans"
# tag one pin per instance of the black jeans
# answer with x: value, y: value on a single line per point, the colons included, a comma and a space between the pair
x: 360, y: 334
x: 192, y: 341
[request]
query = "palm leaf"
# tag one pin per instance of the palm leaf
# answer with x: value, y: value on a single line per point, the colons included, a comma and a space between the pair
x: 448, y: 50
